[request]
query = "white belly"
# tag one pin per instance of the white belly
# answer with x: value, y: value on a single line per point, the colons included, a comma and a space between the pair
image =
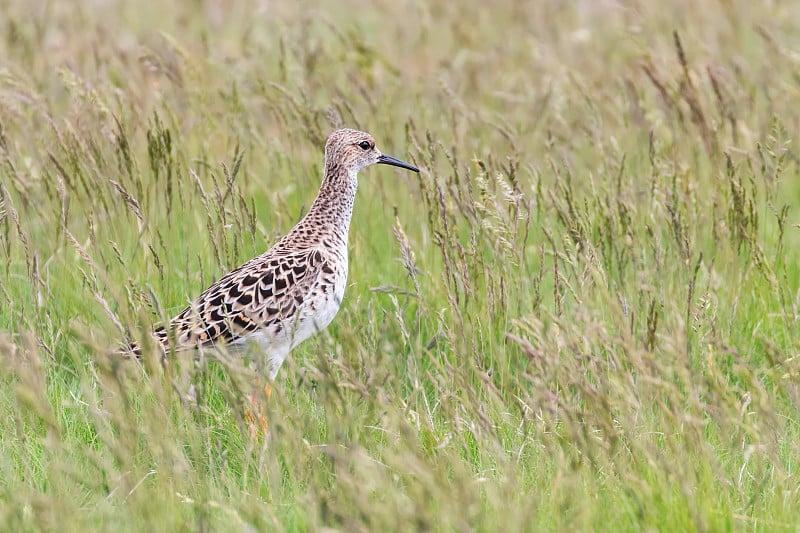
x: 314, y: 315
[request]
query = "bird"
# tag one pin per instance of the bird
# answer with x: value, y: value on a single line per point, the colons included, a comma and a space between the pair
x: 294, y: 290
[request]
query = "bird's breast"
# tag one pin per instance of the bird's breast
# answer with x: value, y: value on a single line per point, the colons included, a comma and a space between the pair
x: 325, y: 300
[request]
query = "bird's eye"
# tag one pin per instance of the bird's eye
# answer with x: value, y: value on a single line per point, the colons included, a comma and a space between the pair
x: 365, y: 145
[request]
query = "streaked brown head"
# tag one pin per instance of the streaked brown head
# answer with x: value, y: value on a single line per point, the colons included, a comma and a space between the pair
x: 355, y: 150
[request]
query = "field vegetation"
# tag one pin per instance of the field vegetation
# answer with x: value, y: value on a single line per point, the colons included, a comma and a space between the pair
x: 581, y: 315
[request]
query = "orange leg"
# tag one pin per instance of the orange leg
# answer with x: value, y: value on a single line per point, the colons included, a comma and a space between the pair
x: 255, y: 413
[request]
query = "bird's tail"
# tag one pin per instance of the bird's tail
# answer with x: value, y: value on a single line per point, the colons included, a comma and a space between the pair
x: 133, y: 350
x: 130, y: 349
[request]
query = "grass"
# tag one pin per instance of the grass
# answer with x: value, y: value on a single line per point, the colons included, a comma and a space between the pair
x: 581, y: 315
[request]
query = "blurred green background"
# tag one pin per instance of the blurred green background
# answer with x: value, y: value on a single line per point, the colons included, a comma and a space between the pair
x: 581, y: 315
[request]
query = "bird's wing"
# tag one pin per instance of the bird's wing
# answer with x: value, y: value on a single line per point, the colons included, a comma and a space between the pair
x: 262, y: 293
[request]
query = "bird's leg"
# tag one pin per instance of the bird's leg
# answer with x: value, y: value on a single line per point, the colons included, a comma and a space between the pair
x: 255, y: 411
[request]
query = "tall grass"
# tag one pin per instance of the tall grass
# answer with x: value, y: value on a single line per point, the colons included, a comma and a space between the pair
x: 582, y: 315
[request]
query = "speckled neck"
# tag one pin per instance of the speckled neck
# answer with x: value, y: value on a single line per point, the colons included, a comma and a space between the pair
x: 332, y: 210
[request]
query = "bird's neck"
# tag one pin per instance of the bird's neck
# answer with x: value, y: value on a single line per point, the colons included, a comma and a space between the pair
x: 332, y: 210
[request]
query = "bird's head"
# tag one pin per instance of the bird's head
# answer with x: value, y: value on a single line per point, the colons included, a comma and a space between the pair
x: 355, y: 150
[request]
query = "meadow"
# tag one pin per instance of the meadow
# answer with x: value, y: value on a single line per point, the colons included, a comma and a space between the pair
x: 581, y: 315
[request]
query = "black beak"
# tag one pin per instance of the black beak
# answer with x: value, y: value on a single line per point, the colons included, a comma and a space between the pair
x: 389, y: 160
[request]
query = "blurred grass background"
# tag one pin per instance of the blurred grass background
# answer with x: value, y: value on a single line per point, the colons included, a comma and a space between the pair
x: 581, y: 315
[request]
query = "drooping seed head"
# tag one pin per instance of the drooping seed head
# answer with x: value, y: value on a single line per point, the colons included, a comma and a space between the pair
x: 355, y: 150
